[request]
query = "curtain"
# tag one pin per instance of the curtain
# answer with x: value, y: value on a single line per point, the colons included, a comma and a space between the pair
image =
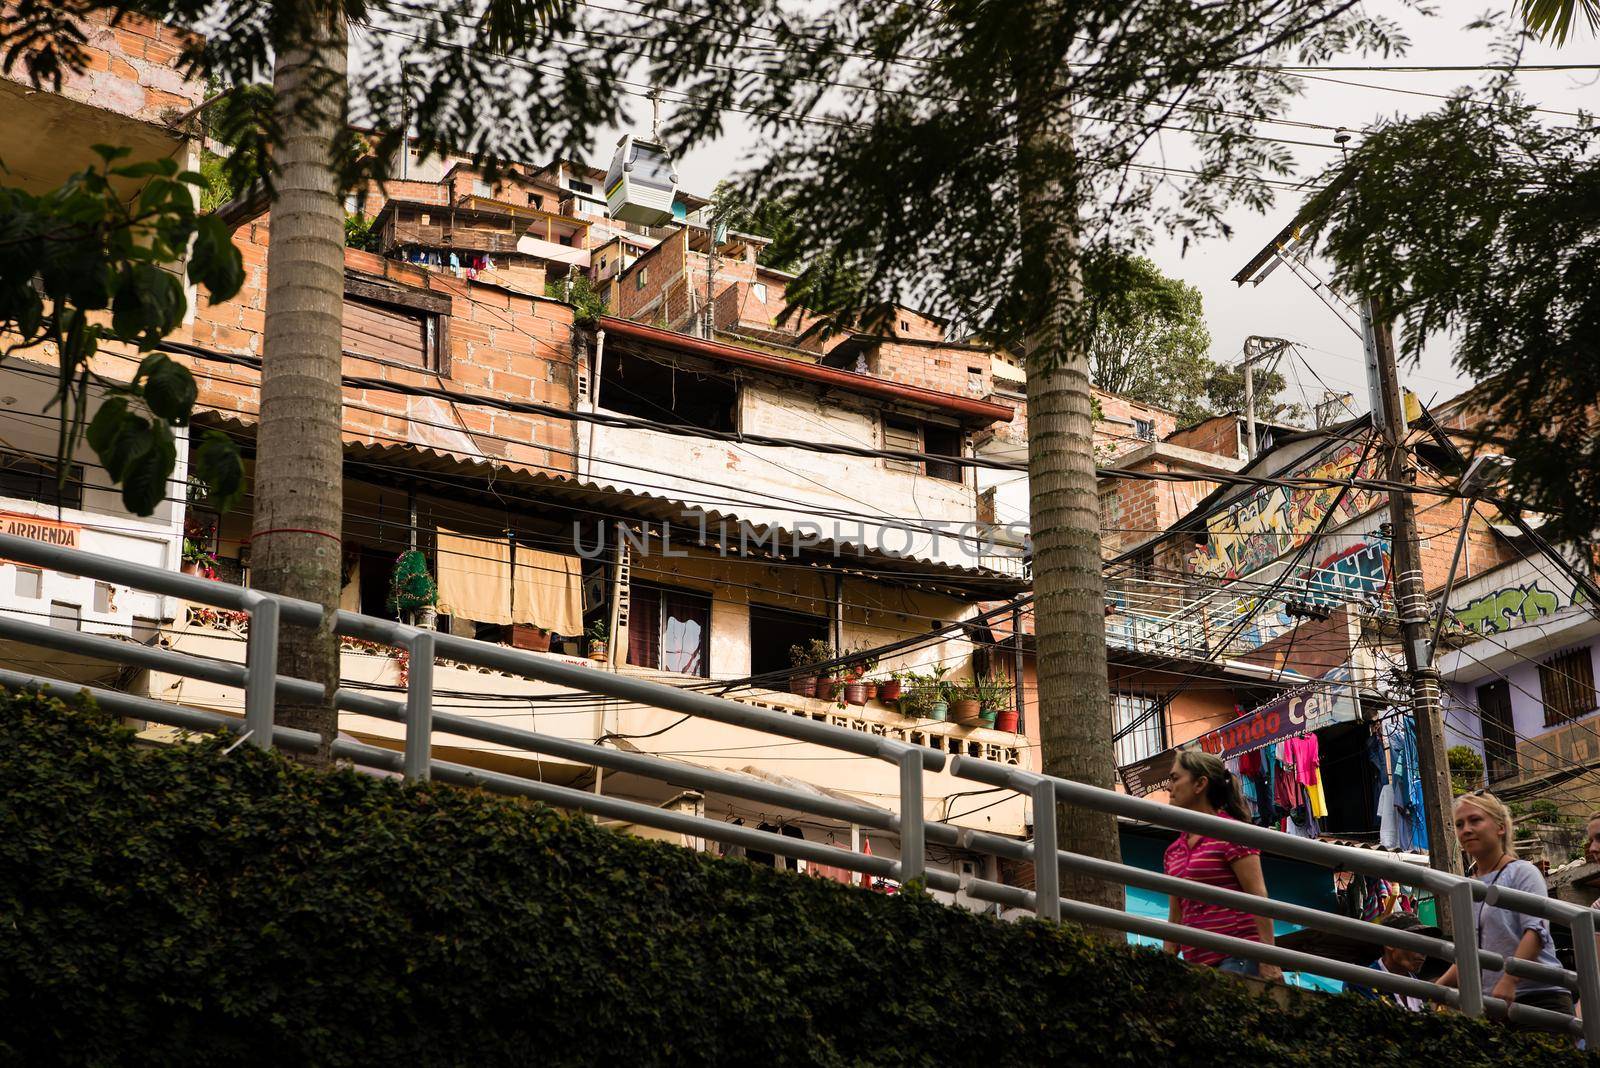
x: 685, y: 628
x: 549, y: 591
x: 644, y: 627
x: 474, y: 577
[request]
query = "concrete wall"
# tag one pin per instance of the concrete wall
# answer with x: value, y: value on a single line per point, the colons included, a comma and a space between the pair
x: 789, y: 486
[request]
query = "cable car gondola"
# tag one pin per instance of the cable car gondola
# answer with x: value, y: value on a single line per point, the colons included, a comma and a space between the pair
x: 641, y: 182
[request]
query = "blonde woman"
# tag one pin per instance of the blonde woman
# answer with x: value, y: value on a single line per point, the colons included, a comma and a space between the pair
x: 1483, y: 827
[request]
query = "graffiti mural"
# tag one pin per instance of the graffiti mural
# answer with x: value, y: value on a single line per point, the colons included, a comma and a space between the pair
x: 1361, y: 571
x: 1511, y: 607
x: 1275, y: 520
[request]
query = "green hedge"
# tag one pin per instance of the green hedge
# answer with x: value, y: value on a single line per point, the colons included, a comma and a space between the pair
x: 185, y: 906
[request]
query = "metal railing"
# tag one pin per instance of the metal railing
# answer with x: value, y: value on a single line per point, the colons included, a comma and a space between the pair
x: 261, y: 684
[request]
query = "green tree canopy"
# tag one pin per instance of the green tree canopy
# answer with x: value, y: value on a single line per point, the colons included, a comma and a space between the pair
x: 1148, y: 338
x: 1481, y: 223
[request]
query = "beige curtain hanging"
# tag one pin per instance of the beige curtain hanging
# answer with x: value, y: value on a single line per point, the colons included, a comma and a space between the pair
x: 474, y: 577
x: 549, y: 591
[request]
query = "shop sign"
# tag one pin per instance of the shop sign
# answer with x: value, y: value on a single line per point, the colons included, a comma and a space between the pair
x: 1329, y: 700
x: 34, y: 528
x: 1148, y: 775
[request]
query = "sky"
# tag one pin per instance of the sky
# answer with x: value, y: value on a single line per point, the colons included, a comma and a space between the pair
x: 1284, y: 306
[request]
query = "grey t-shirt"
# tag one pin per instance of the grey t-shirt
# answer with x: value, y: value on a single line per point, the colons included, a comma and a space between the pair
x: 1500, y: 929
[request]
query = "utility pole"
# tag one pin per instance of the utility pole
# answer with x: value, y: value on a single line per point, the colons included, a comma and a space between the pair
x: 1256, y: 348
x: 1411, y: 597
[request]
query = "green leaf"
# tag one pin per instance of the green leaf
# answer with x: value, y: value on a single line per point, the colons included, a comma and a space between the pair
x: 114, y: 435
x: 150, y: 168
x: 216, y: 462
x: 214, y: 260
x: 169, y: 388
x: 144, y: 486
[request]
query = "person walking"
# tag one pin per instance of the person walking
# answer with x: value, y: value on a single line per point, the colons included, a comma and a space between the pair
x: 1202, y: 783
x: 1483, y: 826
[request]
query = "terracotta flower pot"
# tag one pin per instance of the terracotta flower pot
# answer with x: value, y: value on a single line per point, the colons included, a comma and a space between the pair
x: 599, y: 651
x: 1006, y: 721
x: 189, y: 567
x: 889, y: 691
x: 527, y: 636
x: 967, y: 711
x: 803, y: 685
x: 855, y: 693
x: 872, y: 690
x: 826, y: 688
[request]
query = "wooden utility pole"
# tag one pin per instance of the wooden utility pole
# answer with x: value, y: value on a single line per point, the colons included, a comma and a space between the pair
x: 1411, y: 597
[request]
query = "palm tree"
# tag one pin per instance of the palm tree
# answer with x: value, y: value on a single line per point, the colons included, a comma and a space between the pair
x: 1553, y: 19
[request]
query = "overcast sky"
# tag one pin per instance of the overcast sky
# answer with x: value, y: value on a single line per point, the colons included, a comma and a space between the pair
x: 1284, y: 306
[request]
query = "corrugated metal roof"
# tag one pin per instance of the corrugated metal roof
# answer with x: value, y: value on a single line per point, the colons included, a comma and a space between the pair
x: 624, y: 502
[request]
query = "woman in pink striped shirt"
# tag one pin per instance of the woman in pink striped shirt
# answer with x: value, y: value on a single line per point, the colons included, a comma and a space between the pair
x: 1202, y: 783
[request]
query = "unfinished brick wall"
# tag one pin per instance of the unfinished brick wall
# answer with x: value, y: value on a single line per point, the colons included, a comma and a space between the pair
x: 502, y: 345
x: 959, y: 369
x: 131, y: 69
x: 674, y: 286
x: 1114, y: 431
x: 1219, y: 435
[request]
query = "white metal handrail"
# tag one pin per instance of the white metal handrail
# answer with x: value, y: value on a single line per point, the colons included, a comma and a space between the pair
x: 261, y: 683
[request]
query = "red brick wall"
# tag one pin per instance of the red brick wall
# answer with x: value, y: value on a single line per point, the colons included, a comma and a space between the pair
x: 502, y: 344
x: 1219, y: 435
x: 1114, y: 432
x: 131, y: 69
x: 948, y: 369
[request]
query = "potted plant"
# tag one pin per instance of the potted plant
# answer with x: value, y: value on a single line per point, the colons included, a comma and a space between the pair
x: 827, y: 687
x: 923, y: 698
x: 803, y: 656
x: 599, y: 640
x: 412, y: 591
x: 530, y: 636
x: 891, y: 688
x: 965, y: 705
x: 994, y: 694
x: 198, y: 561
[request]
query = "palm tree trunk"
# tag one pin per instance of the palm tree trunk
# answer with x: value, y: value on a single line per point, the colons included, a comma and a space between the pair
x: 1069, y: 590
x: 296, y: 542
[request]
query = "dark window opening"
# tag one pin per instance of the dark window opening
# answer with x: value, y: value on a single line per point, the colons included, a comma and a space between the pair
x: 633, y: 385
x: 579, y: 187
x: 376, y: 568
x: 943, y: 441
x: 772, y: 631
x: 1499, y: 736
x: 1567, y: 683
x: 1144, y: 429
x: 669, y: 629
x: 28, y: 479
x: 1352, y: 809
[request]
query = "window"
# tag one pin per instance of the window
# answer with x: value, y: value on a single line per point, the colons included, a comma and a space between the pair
x: 579, y: 187
x: 1499, y: 737
x: 1138, y: 727
x: 481, y: 188
x: 634, y: 385
x: 64, y: 616
x: 974, y: 380
x: 1567, y: 683
x: 105, y: 598
x: 640, y: 277
x: 772, y: 631
x: 758, y: 290
x: 943, y: 441
x: 30, y: 480
x: 352, y: 204
x: 30, y: 582
x: 1144, y: 429
x: 905, y: 324
x: 395, y: 325
x: 902, y: 435
x: 669, y: 629
x: 535, y: 200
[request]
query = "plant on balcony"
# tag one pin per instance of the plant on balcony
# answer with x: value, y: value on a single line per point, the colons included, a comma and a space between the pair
x: 996, y: 703
x: 965, y: 705
x: 411, y: 589
x: 805, y: 657
x: 924, y: 697
x: 198, y: 561
x: 600, y: 640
